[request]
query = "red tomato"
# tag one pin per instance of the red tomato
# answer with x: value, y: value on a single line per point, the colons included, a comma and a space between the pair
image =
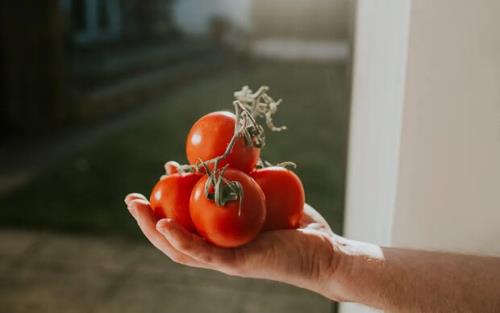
x: 170, y: 198
x: 222, y: 225
x: 209, y: 137
x: 284, y: 197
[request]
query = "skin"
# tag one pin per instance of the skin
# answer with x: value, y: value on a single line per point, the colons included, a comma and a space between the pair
x: 314, y: 258
x: 261, y: 258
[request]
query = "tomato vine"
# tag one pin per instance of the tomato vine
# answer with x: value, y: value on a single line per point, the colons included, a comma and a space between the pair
x: 248, y: 107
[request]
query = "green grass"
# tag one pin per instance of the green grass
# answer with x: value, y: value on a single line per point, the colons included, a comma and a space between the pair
x: 85, y: 192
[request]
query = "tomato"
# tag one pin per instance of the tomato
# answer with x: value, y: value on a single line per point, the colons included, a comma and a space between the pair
x: 285, y: 197
x: 170, y: 198
x: 229, y: 225
x: 209, y: 137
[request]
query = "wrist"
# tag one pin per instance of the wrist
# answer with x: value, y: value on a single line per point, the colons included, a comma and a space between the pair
x: 357, y: 264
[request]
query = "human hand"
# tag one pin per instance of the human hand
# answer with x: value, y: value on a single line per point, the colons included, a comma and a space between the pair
x: 306, y: 257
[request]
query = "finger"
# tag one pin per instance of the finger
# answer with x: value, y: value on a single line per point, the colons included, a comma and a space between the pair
x: 171, y: 167
x: 311, y: 216
x: 133, y: 196
x: 220, y: 259
x: 143, y: 214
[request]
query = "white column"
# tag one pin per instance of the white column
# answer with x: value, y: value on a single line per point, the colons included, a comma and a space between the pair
x: 380, y: 49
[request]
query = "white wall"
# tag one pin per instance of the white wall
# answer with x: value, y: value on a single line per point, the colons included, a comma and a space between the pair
x: 318, y: 19
x: 449, y: 177
x: 312, y: 30
x: 315, y: 20
x: 434, y: 181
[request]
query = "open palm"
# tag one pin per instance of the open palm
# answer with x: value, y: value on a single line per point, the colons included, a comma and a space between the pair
x: 304, y: 257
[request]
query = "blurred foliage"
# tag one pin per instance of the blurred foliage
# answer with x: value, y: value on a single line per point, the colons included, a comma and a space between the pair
x: 86, y: 191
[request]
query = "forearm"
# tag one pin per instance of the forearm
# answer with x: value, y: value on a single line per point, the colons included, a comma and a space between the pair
x: 401, y: 280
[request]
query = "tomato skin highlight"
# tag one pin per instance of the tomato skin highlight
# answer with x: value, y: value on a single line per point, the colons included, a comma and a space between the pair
x: 170, y: 198
x: 209, y: 137
x: 221, y: 225
x: 285, y: 197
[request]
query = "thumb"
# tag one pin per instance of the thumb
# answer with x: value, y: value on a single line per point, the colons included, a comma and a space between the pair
x: 220, y: 259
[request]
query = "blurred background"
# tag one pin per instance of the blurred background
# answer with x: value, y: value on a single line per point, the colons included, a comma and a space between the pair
x: 98, y: 94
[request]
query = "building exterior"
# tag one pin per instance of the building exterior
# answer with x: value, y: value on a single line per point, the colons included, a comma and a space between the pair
x: 32, y: 66
x: 94, y: 21
x: 36, y: 56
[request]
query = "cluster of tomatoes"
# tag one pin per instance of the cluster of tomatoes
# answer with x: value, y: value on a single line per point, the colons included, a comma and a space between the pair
x: 270, y: 198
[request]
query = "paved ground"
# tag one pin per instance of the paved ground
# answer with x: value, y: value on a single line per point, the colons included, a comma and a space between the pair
x: 48, y: 272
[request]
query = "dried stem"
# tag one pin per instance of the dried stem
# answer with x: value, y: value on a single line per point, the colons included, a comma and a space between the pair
x: 260, y: 104
x: 284, y: 164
